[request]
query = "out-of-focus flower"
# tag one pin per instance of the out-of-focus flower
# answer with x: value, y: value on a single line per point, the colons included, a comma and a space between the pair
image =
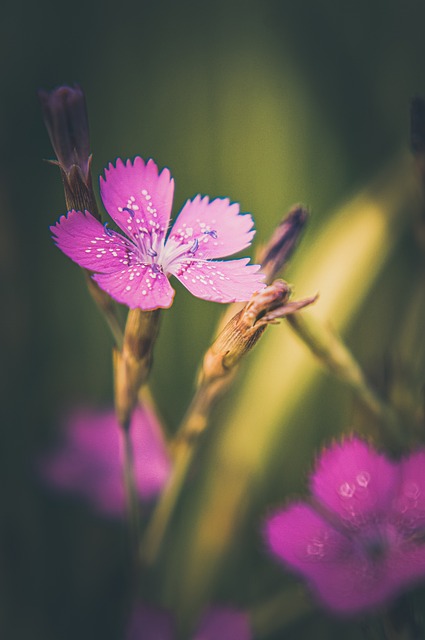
x: 360, y: 540
x: 89, y: 461
x: 133, y: 268
x: 148, y: 623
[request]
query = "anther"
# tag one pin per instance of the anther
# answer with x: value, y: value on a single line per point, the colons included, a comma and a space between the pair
x: 130, y: 211
x: 151, y: 252
x: 109, y: 232
x: 212, y: 233
x: 193, y: 249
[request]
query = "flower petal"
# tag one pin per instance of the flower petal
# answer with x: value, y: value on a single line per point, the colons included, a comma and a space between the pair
x: 229, y: 281
x: 410, y: 501
x: 137, y: 197
x: 223, y: 624
x: 305, y: 541
x: 89, y: 462
x: 217, y: 225
x: 150, y: 623
x: 343, y: 578
x: 138, y: 286
x: 86, y: 241
x: 355, y: 481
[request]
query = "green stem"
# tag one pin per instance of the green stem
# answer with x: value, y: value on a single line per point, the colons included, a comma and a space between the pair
x: 155, y: 532
x: 132, y: 501
x: 183, y: 449
x: 336, y: 357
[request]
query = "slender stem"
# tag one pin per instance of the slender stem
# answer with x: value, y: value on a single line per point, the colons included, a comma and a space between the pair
x: 132, y: 501
x: 183, y: 450
x: 337, y: 358
x: 155, y: 532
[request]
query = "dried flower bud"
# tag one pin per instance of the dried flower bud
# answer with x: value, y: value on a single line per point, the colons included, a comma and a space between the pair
x: 133, y: 363
x: 242, y: 332
x: 65, y: 117
x: 276, y: 253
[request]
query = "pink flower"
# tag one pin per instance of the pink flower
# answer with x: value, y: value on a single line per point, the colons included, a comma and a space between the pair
x: 89, y: 460
x: 149, y: 623
x: 133, y: 268
x: 361, y: 539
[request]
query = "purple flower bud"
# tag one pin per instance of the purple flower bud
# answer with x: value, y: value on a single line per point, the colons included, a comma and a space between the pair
x: 65, y: 117
x: 276, y: 253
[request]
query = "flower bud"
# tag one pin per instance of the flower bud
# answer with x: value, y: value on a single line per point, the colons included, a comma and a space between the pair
x: 276, y: 253
x: 65, y: 117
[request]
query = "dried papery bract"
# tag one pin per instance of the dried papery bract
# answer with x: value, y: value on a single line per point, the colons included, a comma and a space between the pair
x: 242, y: 332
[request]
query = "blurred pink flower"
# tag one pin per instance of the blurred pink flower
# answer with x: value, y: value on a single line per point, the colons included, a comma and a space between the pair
x: 88, y: 462
x: 133, y: 268
x: 360, y: 540
x: 149, y: 623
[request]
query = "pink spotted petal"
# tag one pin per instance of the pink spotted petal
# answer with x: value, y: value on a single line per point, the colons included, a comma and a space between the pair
x: 89, y: 461
x: 409, y: 503
x: 229, y: 281
x: 223, y: 624
x: 355, y: 481
x: 342, y: 577
x: 138, y: 286
x: 137, y: 197
x: 218, y: 226
x: 83, y: 239
x: 150, y: 623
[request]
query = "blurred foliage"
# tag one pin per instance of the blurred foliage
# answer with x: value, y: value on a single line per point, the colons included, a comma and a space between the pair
x: 268, y: 102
